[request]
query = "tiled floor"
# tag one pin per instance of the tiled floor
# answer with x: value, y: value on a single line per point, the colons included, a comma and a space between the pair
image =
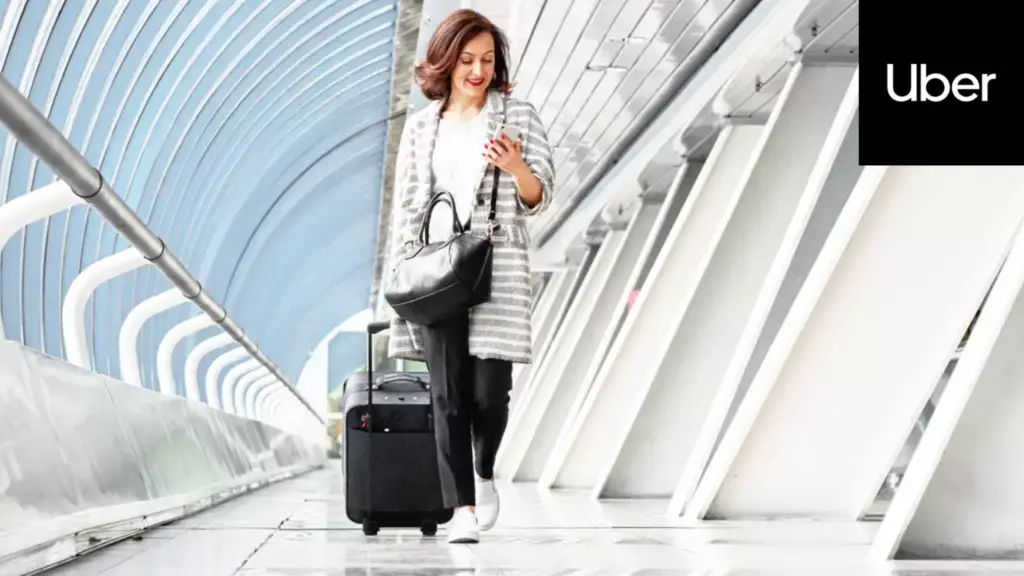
x: 299, y: 528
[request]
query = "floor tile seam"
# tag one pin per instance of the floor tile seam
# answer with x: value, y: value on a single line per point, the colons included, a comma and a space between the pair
x: 272, y: 532
x: 230, y: 528
x: 255, y: 551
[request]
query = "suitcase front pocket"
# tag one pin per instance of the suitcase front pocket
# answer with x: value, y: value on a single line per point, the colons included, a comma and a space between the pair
x: 401, y: 470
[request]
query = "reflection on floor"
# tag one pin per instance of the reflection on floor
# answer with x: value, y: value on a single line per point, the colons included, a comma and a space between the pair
x: 299, y: 528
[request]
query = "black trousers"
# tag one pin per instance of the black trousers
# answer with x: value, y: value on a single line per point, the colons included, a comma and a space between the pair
x: 470, y: 398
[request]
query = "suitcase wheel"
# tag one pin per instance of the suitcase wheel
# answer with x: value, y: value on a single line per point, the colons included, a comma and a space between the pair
x: 370, y: 528
x: 429, y: 528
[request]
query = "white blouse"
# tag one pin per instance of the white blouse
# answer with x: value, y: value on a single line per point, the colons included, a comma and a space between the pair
x: 456, y: 164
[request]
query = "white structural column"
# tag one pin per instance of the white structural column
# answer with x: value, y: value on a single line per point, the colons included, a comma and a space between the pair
x: 563, y: 377
x: 757, y: 35
x: 544, y: 313
x: 263, y: 399
x: 128, y: 339
x: 646, y: 237
x: 245, y: 384
x: 961, y: 497
x: 216, y: 369
x: 865, y: 343
x: 272, y: 407
x: 196, y: 356
x: 533, y: 403
x: 637, y: 272
x: 578, y: 265
x: 72, y: 319
x: 643, y: 341
x: 165, y: 351
x: 234, y: 374
x: 36, y: 205
x: 226, y: 388
x: 542, y: 324
x: 252, y: 393
x: 792, y: 196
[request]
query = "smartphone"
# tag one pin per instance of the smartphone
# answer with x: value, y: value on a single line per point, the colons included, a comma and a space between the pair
x: 511, y: 132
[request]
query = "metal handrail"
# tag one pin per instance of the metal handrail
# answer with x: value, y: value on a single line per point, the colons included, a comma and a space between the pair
x: 33, y: 130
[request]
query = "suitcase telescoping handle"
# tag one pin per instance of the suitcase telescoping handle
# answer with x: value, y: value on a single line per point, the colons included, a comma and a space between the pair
x: 371, y: 329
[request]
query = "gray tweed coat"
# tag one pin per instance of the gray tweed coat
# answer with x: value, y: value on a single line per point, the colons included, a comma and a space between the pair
x: 500, y: 328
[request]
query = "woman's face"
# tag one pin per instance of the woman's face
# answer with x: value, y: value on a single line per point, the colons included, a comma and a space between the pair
x: 475, y: 67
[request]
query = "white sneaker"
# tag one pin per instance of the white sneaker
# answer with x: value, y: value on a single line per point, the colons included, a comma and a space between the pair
x: 487, y: 504
x: 463, y: 528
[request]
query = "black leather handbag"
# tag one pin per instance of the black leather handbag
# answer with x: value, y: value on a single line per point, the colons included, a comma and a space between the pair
x: 434, y: 281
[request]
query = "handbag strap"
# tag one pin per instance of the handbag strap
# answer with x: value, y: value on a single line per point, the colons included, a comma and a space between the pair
x: 492, y: 224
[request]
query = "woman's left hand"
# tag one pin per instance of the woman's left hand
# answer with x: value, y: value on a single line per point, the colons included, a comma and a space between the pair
x: 506, y: 154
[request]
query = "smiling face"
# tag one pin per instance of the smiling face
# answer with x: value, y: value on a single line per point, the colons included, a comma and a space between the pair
x: 467, y: 56
x: 474, y: 68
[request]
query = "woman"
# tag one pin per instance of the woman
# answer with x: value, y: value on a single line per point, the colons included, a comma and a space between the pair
x: 455, y: 144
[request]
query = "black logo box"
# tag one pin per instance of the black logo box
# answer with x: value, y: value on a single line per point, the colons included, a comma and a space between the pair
x: 940, y: 83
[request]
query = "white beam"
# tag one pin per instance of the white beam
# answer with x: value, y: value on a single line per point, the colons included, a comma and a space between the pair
x: 72, y: 318
x: 215, y: 370
x: 577, y: 272
x: 565, y: 377
x: 128, y: 339
x: 252, y: 392
x: 530, y: 407
x: 865, y: 343
x: 227, y: 388
x: 40, y: 203
x: 801, y: 173
x: 165, y: 351
x: 273, y: 407
x: 312, y: 380
x: 643, y: 242
x: 761, y: 31
x: 961, y: 497
x: 196, y: 356
x: 683, y: 185
x: 543, y: 322
x: 642, y: 343
x: 245, y: 383
x: 262, y: 399
x: 355, y: 324
x: 576, y: 275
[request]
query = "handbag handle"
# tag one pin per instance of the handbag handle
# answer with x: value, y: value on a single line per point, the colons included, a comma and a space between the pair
x: 445, y: 197
x: 442, y: 197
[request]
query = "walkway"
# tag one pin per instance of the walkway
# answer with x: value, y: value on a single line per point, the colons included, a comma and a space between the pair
x: 299, y: 528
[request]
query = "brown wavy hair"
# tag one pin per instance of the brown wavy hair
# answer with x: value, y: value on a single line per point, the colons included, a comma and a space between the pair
x: 434, y: 75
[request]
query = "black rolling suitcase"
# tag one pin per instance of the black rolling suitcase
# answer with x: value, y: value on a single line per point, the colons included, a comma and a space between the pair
x: 390, y: 457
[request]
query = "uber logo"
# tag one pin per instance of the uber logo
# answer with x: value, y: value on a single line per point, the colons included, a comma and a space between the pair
x: 935, y: 87
x: 929, y: 99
